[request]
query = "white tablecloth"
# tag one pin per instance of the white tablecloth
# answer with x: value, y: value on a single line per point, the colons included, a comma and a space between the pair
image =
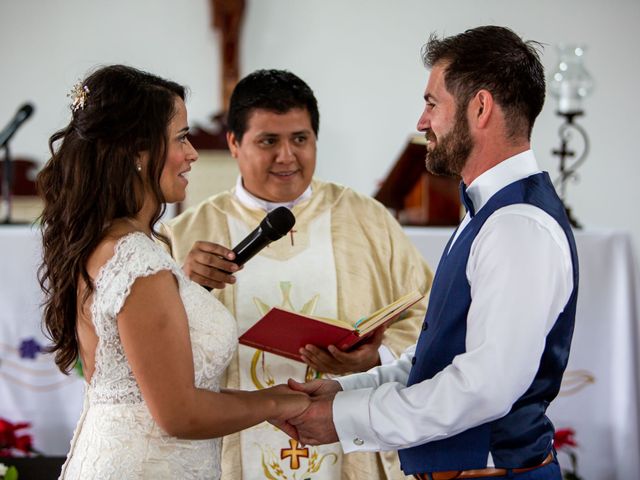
x: 31, y: 389
x: 600, y: 398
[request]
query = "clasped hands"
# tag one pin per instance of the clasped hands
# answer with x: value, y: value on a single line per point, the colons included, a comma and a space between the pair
x: 314, y: 425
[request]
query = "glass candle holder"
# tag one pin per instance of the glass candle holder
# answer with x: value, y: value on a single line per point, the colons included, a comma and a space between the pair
x: 570, y: 82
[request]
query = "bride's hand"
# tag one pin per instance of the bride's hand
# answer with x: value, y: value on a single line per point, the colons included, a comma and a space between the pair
x: 288, y: 403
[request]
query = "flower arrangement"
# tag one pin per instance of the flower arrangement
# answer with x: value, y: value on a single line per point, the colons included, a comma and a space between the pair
x: 564, y: 441
x: 8, y: 473
x: 14, y: 444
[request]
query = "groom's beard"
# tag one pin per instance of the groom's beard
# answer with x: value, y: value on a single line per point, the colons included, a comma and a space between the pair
x: 452, y: 150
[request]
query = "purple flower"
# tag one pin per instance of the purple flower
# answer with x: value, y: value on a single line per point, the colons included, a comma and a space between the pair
x: 29, y: 348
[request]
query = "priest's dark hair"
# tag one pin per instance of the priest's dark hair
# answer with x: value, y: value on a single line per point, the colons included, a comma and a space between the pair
x: 498, y: 60
x: 92, y: 178
x: 274, y: 90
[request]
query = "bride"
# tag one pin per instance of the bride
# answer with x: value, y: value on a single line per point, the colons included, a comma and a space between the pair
x: 153, y: 344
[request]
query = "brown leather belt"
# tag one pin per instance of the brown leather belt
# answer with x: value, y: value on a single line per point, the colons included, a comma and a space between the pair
x: 482, y: 472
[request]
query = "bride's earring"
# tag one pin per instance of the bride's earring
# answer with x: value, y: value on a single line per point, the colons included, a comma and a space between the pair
x: 138, y: 167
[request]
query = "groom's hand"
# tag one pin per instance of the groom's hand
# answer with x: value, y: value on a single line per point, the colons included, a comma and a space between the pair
x: 316, y: 388
x: 315, y: 425
x: 287, y: 428
x: 289, y: 403
x: 319, y: 428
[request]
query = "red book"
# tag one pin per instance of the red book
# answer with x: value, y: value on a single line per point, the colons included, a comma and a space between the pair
x: 283, y: 332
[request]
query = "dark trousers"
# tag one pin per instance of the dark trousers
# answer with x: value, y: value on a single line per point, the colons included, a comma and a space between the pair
x: 548, y: 472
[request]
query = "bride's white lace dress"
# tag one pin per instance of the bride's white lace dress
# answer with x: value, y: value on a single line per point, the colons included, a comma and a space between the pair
x: 116, y: 437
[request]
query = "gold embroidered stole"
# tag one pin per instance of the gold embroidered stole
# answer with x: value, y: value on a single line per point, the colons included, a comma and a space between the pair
x: 297, y: 272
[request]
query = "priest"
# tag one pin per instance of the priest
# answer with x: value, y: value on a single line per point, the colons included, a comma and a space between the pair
x: 345, y: 257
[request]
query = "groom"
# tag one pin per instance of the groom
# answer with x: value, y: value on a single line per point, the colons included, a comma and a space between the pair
x: 469, y: 399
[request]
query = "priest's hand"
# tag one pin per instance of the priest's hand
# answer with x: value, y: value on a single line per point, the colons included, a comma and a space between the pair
x: 335, y: 361
x: 210, y: 265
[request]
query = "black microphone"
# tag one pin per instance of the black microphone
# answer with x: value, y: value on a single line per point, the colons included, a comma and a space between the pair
x: 275, y: 225
x: 23, y: 113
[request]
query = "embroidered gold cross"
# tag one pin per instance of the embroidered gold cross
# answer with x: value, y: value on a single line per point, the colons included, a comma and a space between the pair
x: 294, y: 452
x: 291, y: 232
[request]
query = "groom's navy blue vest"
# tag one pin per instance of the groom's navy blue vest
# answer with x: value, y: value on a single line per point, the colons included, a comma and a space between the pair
x: 523, y: 437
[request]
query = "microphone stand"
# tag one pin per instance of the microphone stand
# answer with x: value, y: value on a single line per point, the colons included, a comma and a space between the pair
x: 23, y: 114
x: 7, y: 188
x: 7, y: 177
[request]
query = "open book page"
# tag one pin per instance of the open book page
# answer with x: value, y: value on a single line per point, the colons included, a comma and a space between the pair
x: 283, y: 332
x: 381, y: 316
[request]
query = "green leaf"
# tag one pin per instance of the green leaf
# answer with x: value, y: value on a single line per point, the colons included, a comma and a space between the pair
x: 12, y: 473
x: 78, y: 368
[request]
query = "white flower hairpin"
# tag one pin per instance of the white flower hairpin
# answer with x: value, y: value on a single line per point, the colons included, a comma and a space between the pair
x: 78, y: 96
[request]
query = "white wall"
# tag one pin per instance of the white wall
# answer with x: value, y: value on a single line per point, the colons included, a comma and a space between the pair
x: 362, y: 59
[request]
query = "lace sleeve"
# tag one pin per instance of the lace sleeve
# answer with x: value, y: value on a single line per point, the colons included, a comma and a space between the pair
x: 136, y: 255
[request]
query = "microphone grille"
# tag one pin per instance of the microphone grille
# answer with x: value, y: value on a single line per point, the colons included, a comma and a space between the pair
x: 25, y: 111
x: 280, y: 221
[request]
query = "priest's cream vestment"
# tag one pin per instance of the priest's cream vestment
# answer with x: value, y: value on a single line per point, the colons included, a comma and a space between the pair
x: 345, y: 258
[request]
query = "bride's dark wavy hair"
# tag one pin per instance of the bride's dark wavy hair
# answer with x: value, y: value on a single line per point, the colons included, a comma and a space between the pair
x: 92, y: 179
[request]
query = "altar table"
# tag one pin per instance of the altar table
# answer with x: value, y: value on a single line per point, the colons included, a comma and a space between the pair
x: 599, y: 399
